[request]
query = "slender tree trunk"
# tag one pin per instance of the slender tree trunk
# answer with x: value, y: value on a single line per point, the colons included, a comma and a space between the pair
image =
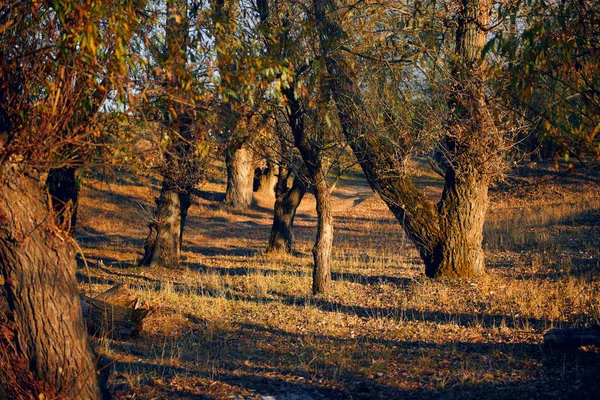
x: 38, y: 265
x: 240, y: 177
x: 449, y: 235
x: 324, y: 240
x: 312, y: 155
x: 163, y: 245
x: 311, y: 150
x: 286, y: 204
x: 63, y: 187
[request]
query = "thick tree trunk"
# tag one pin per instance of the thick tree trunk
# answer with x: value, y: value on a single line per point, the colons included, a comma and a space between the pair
x: 459, y: 252
x: 286, y: 204
x: 63, y: 186
x: 324, y: 240
x: 471, y: 145
x: 267, y: 180
x: 163, y: 244
x: 240, y: 177
x: 38, y: 265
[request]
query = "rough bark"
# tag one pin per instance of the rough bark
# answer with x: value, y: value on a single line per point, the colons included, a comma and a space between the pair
x: 286, y: 203
x: 471, y: 144
x: 268, y: 179
x: 163, y: 244
x: 38, y: 265
x: 240, y: 177
x: 324, y: 239
x: 63, y: 187
x: 459, y: 252
x: 449, y: 235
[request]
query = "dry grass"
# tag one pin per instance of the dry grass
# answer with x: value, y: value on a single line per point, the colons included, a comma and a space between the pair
x: 235, y: 323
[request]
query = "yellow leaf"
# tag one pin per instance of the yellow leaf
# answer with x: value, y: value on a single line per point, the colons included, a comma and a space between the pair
x: 547, y: 125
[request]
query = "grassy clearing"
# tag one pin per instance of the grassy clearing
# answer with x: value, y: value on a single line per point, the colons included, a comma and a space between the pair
x: 235, y: 323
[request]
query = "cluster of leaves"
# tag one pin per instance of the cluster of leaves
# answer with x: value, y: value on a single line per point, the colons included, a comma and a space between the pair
x: 60, y: 60
x: 553, y: 53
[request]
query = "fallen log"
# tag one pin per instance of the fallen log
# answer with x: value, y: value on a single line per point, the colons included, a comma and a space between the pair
x: 115, y: 314
x: 572, y: 337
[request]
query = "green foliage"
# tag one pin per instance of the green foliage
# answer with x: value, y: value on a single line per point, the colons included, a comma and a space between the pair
x: 554, y: 63
x: 60, y: 61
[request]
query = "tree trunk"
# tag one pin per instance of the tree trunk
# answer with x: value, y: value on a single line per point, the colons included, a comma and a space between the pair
x: 240, y: 177
x: 286, y: 204
x: 324, y: 240
x: 38, y: 265
x: 472, y: 145
x: 267, y: 180
x: 459, y: 252
x: 311, y: 150
x: 63, y: 186
x: 183, y: 167
x: 163, y: 244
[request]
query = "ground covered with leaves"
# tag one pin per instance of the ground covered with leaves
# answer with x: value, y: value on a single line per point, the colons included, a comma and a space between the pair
x: 233, y: 322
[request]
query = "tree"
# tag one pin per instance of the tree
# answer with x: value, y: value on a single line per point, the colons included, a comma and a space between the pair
x: 183, y: 164
x: 305, y: 104
x: 287, y: 197
x: 232, y: 55
x: 448, y: 235
x: 52, y: 54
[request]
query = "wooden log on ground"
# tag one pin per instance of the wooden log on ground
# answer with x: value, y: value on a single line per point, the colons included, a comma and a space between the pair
x: 119, y: 295
x: 573, y: 337
x: 114, y: 314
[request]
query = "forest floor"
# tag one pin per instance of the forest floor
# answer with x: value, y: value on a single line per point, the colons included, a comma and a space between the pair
x: 235, y: 323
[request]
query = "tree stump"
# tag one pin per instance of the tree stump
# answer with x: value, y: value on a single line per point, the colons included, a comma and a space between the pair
x: 115, y: 313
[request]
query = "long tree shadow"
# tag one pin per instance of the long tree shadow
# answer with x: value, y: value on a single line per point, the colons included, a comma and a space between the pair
x: 244, y: 271
x: 414, y: 315
x: 230, y: 292
x: 90, y: 237
x: 372, y: 279
x: 236, y: 356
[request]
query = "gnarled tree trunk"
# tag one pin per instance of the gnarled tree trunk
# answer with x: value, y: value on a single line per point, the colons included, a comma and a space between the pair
x: 38, y: 264
x: 286, y: 204
x: 240, y: 176
x: 472, y: 144
x: 459, y: 251
x: 163, y: 244
x: 268, y: 179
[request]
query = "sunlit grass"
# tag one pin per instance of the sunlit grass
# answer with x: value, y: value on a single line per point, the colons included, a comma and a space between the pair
x: 233, y: 317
